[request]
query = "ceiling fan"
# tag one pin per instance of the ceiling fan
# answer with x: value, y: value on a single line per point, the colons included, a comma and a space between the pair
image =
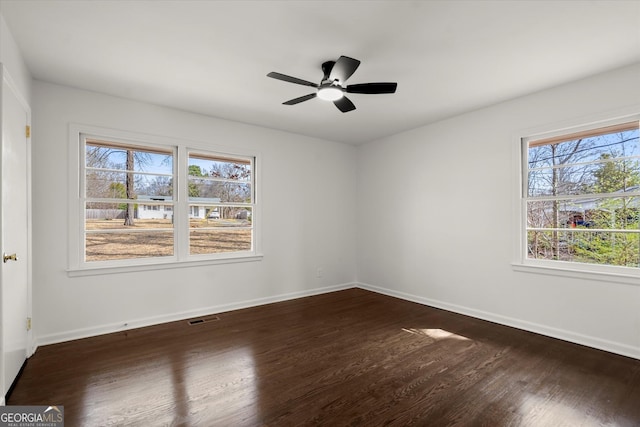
x: 332, y: 87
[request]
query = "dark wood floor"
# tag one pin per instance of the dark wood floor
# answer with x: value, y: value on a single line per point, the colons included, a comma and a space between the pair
x: 349, y: 358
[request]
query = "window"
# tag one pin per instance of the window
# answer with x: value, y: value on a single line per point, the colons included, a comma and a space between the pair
x: 581, y: 197
x: 143, y: 202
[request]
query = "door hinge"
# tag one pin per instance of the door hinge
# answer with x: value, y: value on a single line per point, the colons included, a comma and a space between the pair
x: 28, y: 323
x: 27, y: 131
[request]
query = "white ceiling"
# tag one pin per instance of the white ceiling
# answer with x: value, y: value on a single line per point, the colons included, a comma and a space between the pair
x: 212, y: 57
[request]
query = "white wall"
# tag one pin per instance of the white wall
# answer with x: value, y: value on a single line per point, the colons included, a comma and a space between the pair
x: 11, y: 58
x: 439, y: 228
x: 308, y: 208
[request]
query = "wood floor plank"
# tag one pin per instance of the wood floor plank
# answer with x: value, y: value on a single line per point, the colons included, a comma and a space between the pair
x: 348, y: 358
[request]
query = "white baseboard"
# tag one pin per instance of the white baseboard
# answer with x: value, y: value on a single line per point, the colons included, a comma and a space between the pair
x: 565, y: 335
x: 599, y: 343
x: 31, y: 349
x: 156, y: 320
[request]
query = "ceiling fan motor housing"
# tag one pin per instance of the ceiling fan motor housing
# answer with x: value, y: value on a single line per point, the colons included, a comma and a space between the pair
x: 326, y: 69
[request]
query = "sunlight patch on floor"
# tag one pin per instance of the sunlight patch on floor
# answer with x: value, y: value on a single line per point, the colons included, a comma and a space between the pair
x: 436, y: 334
x: 114, y: 397
x: 543, y: 410
x: 183, y: 390
x: 228, y: 378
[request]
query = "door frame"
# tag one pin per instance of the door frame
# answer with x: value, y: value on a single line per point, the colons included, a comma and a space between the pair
x: 9, y: 84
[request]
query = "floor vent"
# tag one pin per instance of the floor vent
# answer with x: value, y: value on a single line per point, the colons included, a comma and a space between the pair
x: 203, y: 320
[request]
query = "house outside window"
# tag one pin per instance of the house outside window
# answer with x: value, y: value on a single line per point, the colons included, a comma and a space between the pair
x: 141, y: 202
x: 581, y: 198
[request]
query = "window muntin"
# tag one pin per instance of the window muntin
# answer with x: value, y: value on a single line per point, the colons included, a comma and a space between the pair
x: 582, y: 197
x: 176, y: 215
x: 112, y: 184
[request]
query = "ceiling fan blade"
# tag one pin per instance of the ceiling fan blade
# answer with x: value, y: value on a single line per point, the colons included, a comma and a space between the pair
x: 299, y: 100
x: 290, y: 79
x: 344, y: 104
x: 343, y: 69
x: 372, y: 88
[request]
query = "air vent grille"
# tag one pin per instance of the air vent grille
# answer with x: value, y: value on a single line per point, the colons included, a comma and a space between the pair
x: 202, y: 320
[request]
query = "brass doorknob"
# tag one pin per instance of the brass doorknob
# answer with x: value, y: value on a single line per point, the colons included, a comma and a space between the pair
x: 6, y: 257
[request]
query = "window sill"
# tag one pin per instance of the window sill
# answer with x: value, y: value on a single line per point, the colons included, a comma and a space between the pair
x: 580, y: 272
x: 95, y: 271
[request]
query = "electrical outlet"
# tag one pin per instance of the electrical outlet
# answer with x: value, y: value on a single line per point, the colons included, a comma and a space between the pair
x: 319, y: 272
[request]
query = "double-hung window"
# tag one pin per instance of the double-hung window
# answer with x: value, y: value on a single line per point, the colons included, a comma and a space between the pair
x: 139, y: 201
x: 581, y: 198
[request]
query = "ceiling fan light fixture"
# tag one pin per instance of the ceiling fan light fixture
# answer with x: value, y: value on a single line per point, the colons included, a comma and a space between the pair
x: 332, y: 86
x: 330, y: 93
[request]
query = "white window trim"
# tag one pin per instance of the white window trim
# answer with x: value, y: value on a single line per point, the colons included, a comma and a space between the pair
x: 520, y: 262
x: 77, y: 266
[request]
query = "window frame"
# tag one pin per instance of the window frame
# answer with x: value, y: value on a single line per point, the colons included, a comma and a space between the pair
x: 77, y: 266
x: 521, y: 261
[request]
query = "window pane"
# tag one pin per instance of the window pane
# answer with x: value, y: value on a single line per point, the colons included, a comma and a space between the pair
x: 220, y: 191
x: 219, y: 240
x: 584, y: 149
x: 113, y: 156
x: 552, y: 214
x: 615, y: 213
x: 128, y: 245
x: 606, y: 176
x: 550, y: 245
x: 593, y: 247
x: 227, y: 229
x: 107, y: 184
x: 218, y: 167
x: 568, y: 180
x: 149, y: 236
